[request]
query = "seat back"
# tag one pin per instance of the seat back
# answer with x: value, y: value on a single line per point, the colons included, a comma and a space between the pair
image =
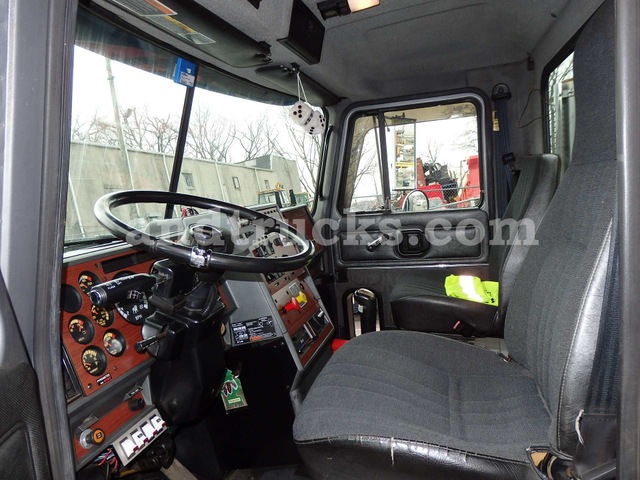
x: 536, y: 185
x: 556, y: 303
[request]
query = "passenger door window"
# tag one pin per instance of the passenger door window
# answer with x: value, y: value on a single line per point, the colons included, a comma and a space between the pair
x: 561, y: 110
x: 426, y: 158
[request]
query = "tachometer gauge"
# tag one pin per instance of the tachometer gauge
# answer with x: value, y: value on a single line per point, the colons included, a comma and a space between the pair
x: 94, y: 361
x: 87, y: 280
x: 81, y: 329
x: 102, y: 316
x: 114, y: 342
x: 134, y: 310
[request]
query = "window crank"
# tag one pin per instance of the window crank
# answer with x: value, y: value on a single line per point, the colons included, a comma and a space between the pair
x: 371, y: 246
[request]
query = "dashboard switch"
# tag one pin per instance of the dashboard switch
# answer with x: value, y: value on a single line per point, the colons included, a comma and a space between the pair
x: 157, y: 423
x: 128, y: 447
x: 139, y: 438
x: 292, y: 305
x: 148, y: 430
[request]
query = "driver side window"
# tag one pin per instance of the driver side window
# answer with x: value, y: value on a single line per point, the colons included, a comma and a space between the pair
x: 414, y: 159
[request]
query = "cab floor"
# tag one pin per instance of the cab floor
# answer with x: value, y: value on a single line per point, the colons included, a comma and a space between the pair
x: 289, y: 472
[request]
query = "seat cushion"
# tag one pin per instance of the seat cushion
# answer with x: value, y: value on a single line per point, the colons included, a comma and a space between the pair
x: 419, y: 302
x: 407, y: 402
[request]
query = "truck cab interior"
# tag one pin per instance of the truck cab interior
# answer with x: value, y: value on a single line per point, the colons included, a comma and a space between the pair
x: 336, y: 239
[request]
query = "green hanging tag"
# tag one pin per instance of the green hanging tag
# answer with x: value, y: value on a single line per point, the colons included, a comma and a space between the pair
x: 232, y: 393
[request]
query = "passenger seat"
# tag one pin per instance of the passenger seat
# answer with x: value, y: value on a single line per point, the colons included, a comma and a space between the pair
x: 419, y: 301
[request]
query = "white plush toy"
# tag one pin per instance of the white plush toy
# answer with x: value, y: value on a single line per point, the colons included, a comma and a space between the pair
x: 310, y: 119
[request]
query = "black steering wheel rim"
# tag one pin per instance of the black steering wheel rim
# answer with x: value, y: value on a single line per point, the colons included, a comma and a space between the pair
x: 195, y: 256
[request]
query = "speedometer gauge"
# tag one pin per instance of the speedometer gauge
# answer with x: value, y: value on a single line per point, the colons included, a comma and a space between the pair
x: 81, y: 329
x: 114, y: 342
x: 94, y: 361
x: 134, y: 310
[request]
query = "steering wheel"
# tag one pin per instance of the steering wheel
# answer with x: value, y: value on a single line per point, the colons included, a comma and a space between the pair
x: 199, y: 257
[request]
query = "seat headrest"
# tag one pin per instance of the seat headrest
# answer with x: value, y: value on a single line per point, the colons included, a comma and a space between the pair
x: 595, y: 87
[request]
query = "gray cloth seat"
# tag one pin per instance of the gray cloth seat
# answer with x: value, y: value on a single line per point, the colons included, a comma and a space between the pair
x: 419, y: 301
x: 425, y: 392
x: 407, y: 405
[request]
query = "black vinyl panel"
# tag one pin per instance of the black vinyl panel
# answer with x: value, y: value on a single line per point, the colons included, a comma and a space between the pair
x: 443, y: 244
x: 22, y: 439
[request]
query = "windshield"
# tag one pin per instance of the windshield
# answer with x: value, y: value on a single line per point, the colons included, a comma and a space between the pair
x: 126, y: 117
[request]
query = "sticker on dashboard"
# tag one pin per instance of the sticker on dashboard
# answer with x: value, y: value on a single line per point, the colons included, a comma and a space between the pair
x: 255, y: 330
x: 104, y: 379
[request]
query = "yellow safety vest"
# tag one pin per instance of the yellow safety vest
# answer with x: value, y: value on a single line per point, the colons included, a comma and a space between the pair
x: 472, y: 288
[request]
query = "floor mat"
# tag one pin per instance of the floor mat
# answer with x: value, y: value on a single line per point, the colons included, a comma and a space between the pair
x: 290, y: 472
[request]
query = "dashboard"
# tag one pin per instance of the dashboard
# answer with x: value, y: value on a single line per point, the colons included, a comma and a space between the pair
x: 107, y: 381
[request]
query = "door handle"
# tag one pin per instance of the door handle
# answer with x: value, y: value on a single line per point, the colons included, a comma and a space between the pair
x: 371, y: 246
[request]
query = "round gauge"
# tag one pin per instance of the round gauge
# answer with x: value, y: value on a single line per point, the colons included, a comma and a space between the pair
x: 134, y: 310
x: 102, y: 316
x: 87, y: 280
x: 94, y: 361
x: 114, y: 342
x: 81, y: 329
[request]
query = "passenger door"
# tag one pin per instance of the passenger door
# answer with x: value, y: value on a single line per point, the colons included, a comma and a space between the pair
x: 413, y: 193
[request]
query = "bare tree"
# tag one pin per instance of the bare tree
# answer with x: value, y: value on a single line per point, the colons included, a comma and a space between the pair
x: 135, y: 127
x: 433, y: 151
x: 163, y: 133
x: 468, y: 139
x: 210, y: 138
x: 141, y: 131
x: 95, y: 130
x: 259, y: 138
x: 147, y: 132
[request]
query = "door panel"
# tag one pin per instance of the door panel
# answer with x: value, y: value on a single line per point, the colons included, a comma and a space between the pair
x: 448, y: 237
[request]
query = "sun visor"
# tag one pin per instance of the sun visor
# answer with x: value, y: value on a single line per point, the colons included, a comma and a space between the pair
x: 285, y: 79
x: 195, y: 25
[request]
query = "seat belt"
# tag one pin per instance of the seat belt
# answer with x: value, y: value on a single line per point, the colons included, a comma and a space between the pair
x: 504, y: 158
x: 597, y: 425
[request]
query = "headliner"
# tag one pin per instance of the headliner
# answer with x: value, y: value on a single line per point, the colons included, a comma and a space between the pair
x: 403, y: 47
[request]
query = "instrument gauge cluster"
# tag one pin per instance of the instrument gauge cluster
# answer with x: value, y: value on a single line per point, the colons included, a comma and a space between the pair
x: 99, y: 340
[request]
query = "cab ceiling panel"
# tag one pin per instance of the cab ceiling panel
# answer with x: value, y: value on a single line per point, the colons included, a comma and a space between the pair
x: 200, y: 28
x: 414, y: 39
x: 409, y: 40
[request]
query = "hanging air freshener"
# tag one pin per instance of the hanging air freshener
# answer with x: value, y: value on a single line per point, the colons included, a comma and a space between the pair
x: 312, y: 121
